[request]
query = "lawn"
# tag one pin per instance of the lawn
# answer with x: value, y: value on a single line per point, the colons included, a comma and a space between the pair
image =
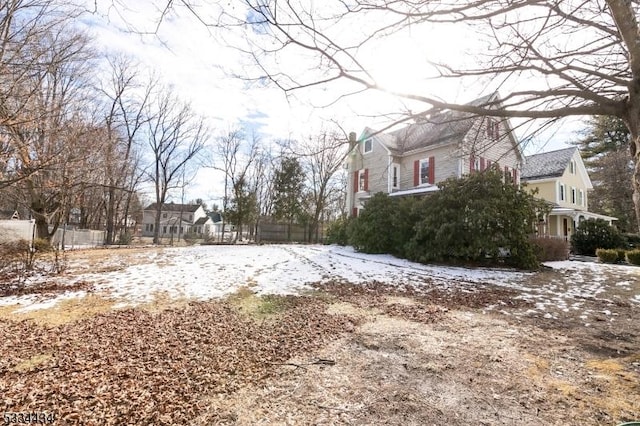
x: 292, y: 334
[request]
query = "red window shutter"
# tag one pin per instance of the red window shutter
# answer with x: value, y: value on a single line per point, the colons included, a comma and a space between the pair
x: 366, y: 179
x: 482, y: 164
x: 432, y: 170
x: 355, y: 181
x: 472, y: 161
x: 416, y: 173
x: 354, y: 212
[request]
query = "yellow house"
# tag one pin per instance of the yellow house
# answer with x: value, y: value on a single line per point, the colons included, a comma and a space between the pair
x: 561, y: 179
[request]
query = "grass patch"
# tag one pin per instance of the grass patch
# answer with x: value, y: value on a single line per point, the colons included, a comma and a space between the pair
x: 31, y: 363
x: 162, y: 300
x: 257, y: 307
x: 63, y: 312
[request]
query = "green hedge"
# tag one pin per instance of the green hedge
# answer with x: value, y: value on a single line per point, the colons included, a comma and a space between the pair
x: 593, y: 234
x: 633, y: 257
x: 607, y: 255
x: 477, y: 219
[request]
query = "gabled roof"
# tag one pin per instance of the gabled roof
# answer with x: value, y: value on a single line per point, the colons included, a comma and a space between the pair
x: 201, y: 221
x: 172, y: 207
x: 547, y: 164
x: 9, y: 214
x: 215, y: 216
x: 431, y: 130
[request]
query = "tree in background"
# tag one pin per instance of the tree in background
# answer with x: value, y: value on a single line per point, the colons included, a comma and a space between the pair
x: 288, y: 191
x: 605, y: 150
x: 322, y: 157
x: 239, y: 159
x: 175, y: 137
x: 553, y: 58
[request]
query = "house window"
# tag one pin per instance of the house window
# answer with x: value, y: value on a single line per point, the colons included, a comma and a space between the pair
x: 573, y: 195
x: 362, y: 180
x: 508, y: 176
x: 477, y: 164
x: 581, y: 197
x: 493, y: 129
x: 561, y: 189
x: 164, y: 215
x: 164, y: 229
x: 424, y: 171
x: 190, y: 217
x: 368, y: 145
x: 572, y: 167
x: 395, y: 176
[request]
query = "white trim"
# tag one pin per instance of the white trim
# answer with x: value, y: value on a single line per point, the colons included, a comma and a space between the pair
x: 364, y: 146
x: 420, y: 162
x: 416, y: 191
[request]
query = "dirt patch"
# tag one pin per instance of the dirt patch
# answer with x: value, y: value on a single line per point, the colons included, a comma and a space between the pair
x: 467, y: 368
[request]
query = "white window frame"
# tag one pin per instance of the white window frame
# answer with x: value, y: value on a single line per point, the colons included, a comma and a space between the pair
x: 395, y: 176
x: 420, y: 181
x: 364, y: 147
x: 572, y: 167
x: 562, y: 192
x: 581, y: 197
x: 361, y: 180
x: 574, y: 195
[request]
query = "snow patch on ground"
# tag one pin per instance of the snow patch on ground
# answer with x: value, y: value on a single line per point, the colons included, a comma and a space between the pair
x: 208, y: 272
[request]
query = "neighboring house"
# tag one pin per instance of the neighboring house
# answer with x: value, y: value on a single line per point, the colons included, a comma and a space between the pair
x: 412, y: 160
x: 177, y: 219
x: 9, y: 215
x: 562, y: 179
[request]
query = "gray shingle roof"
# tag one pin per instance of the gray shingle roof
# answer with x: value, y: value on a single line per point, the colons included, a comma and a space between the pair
x: 547, y: 164
x: 171, y: 207
x: 437, y: 128
x: 201, y: 221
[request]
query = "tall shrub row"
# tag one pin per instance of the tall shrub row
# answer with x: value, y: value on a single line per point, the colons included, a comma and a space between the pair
x: 478, y: 219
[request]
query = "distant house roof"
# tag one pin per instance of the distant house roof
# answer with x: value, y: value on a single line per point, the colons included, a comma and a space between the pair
x: 172, y: 207
x: 9, y: 214
x: 547, y: 164
x: 431, y: 130
x: 201, y: 221
x: 215, y: 216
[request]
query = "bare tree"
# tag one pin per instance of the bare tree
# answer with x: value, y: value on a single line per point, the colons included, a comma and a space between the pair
x: 175, y: 137
x: 27, y: 27
x: 126, y: 95
x: 561, y: 57
x: 322, y: 157
x: 44, y: 119
x: 235, y: 156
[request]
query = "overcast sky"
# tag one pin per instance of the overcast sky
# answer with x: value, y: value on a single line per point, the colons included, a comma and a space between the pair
x: 201, y: 66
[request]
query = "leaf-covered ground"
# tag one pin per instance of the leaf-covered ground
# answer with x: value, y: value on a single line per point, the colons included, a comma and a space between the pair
x: 554, y: 348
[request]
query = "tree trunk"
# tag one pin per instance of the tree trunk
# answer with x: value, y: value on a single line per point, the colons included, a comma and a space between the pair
x: 110, y: 215
x: 156, y: 225
x: 636, y: 179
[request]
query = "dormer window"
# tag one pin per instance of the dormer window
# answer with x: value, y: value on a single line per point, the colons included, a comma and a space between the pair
x: 368, y: 145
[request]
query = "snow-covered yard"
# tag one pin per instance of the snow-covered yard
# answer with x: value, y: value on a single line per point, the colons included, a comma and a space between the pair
x: 206, y: 272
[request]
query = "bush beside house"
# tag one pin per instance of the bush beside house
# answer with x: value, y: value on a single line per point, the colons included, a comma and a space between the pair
x: 593, y: 234
x: 478, y: 219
